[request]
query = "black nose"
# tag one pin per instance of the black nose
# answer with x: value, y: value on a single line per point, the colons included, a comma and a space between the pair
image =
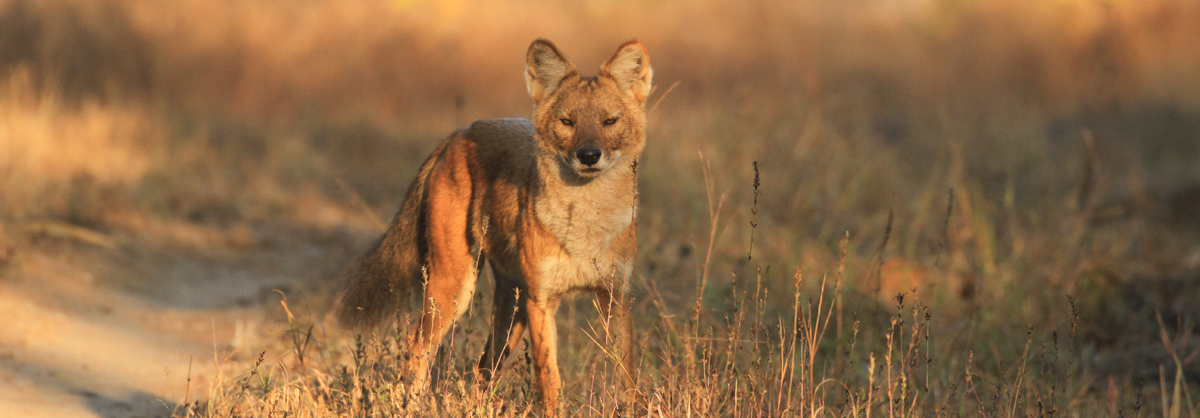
x: 588, y: 155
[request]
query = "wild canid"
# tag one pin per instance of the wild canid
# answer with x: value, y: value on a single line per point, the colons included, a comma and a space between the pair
x: 550, y: 203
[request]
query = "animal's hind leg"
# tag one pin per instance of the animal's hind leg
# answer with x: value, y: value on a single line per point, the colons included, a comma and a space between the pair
x: 447, y: 296
x: 453, y: 262
x: 509, y: 321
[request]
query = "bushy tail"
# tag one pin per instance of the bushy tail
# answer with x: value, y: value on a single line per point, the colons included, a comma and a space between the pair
x: 380, y: 282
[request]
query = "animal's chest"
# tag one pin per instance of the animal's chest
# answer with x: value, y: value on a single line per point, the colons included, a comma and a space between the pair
x: 585, y: 227
x: 585, y: 224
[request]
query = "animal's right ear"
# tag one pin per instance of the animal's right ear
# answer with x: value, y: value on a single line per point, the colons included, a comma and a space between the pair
x: 545, y: 69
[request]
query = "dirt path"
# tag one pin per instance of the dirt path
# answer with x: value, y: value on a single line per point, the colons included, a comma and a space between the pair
x: 128, y: 329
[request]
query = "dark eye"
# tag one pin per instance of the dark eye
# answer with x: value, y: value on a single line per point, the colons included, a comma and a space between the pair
x: 567, y: 122
x: 610, y: 121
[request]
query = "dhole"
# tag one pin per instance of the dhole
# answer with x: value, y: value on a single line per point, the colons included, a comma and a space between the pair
x: 551, y: 203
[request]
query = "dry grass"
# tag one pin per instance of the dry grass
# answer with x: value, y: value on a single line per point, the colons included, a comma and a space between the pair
x: 1024, y: 171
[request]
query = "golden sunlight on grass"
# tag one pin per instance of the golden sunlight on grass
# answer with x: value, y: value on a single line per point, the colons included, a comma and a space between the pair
x: 45, y: 144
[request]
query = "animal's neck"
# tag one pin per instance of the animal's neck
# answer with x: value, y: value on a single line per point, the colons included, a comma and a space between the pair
x: 585, y: 215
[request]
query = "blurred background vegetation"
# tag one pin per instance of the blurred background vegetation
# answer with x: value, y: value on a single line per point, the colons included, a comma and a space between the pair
x: 997, y: 156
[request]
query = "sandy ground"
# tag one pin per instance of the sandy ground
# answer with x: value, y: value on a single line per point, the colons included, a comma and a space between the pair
x: 116, y: 327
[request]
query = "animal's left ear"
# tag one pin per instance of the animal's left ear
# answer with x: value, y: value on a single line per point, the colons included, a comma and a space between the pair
x: 630, y: 67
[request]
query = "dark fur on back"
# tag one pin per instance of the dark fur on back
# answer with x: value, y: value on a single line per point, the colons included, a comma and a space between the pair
x: 379, y: 283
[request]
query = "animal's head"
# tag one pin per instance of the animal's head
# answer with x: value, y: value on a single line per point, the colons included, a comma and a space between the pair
x: 590, y: 123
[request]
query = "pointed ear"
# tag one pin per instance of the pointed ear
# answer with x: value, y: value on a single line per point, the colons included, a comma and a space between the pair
x: 630, y: 67
x: 545, y: 69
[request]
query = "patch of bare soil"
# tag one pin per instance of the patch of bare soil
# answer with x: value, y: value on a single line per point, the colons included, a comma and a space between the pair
x: 110, y: 326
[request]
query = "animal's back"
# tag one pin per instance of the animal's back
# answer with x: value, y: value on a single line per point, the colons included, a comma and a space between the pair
x: 515, y: 129
x: 505, y: 148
